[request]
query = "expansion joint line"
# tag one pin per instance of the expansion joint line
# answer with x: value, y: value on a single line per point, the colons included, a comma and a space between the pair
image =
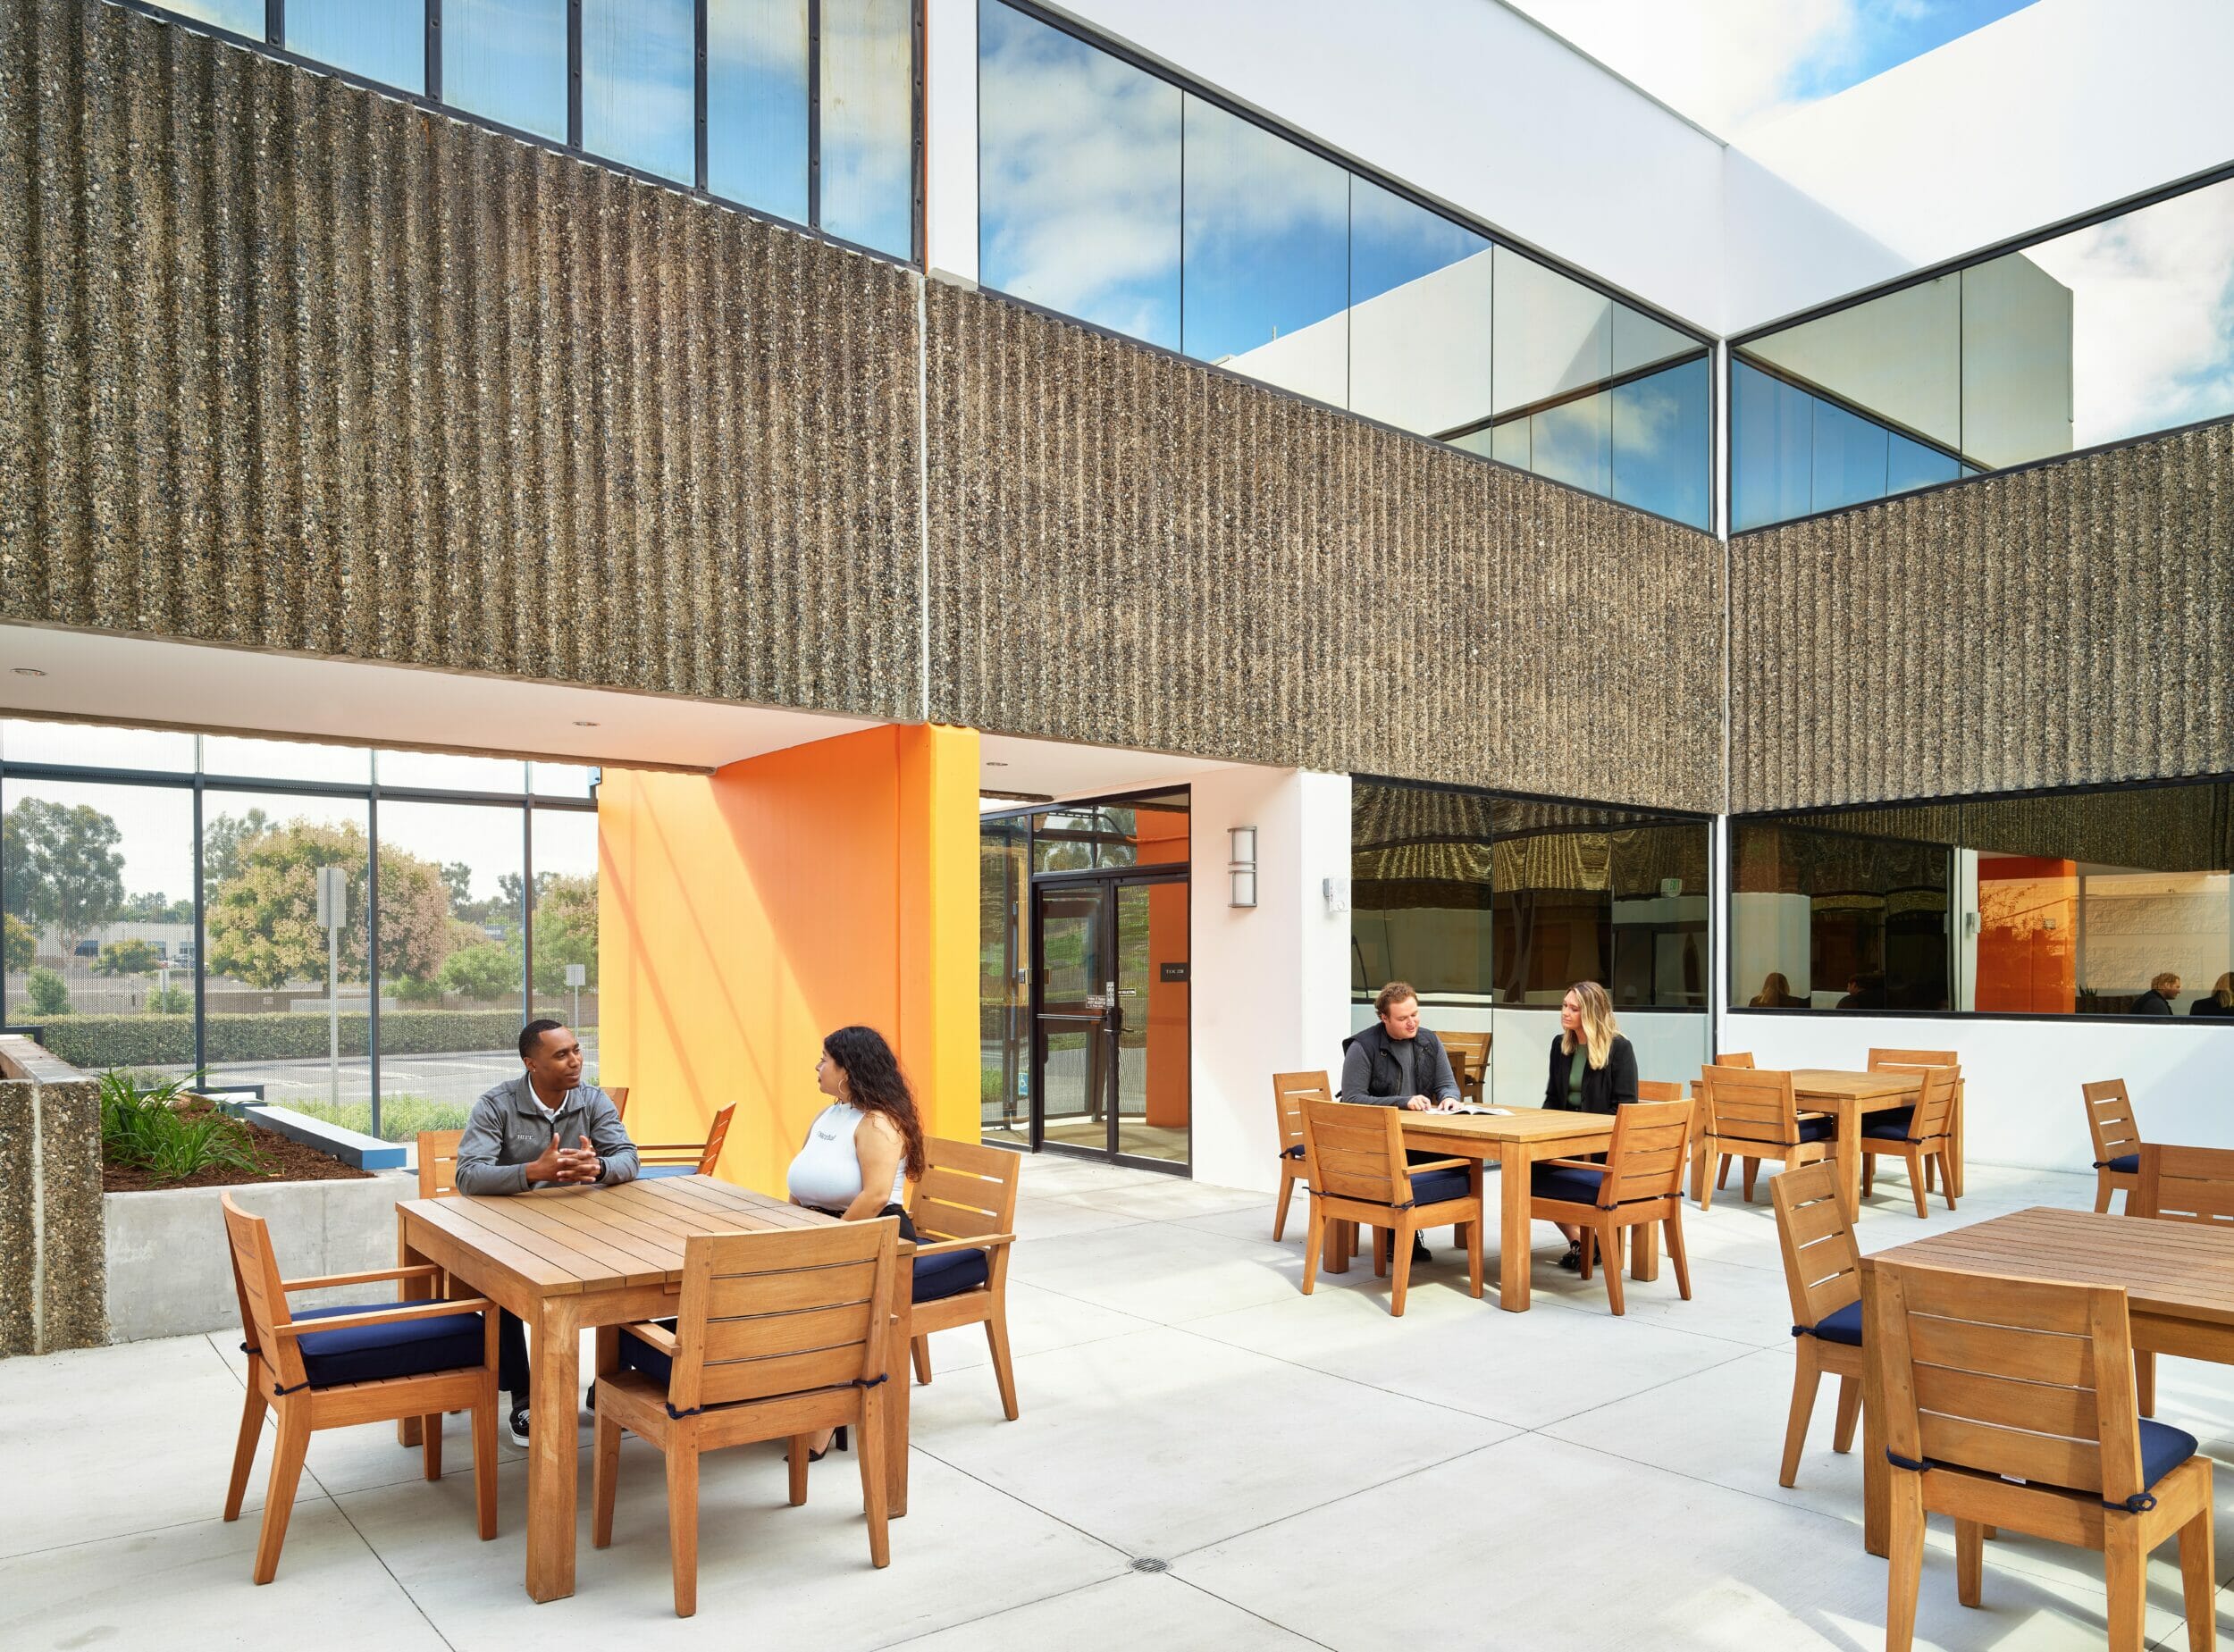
x: 922, y: 497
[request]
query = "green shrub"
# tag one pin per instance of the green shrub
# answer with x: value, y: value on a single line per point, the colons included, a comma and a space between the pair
x: 401, y: 1116
x: 146, y: 1127
x: 97, y: 1041
x: 412, y: 990
x: 170, y: 1000
x: 22, y: 942
x: 132, y: 957
x: 488, y: 970
x: 46, y: 994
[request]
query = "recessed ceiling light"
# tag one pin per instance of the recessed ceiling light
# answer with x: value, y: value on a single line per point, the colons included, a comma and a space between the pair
x: 585, y: 723
x: 29, y: 671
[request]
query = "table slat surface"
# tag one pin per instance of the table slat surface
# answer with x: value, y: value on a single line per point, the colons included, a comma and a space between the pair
x: 1861, y: 1086
x: 1522, y: 1123
x: 2181, y: 1270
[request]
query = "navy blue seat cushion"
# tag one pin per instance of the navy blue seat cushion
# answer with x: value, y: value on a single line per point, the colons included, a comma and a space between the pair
x: 1817, y: 1129
x: 1435, y: 1186
x: 2163, y: 1448
x: 406, y: 1348
x: 2126, y: 1164
x: 1293, y: 1152
x: 949, y: 1273
x: 1844, y: 1326
x: 637, y: 1354
x: 1885, y: 1128
x: 1564, y: 1182
x: 652, y: 1172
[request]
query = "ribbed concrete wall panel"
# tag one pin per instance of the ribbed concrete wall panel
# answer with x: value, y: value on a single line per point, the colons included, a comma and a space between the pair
x: 2069, y: 625
x: 290, y: 364
x: 1130, y: 549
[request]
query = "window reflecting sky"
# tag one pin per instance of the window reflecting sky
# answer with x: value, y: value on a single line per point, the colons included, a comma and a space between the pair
x: 384, y: 40
x: 756, y: 104
x: 243, y: 17
x: 1077, y: 179
x: 1420, y: 332
x: 507, y: 60
x: 1662, y: 446
x: 638, y: 92
x: 868, y: 123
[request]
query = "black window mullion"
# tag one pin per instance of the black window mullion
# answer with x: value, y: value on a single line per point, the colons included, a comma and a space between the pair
x: 371, y: 953
x: 527, y: 912
x: 574, y: 74
x: 434, y: 50
x: 698, y: 96
x: 201, y: 928
x: 814, y: 114
x: 275, y: 22
x: 919, y: 231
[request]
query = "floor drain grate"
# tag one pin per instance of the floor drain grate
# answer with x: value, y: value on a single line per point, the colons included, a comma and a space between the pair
x: 1148, y: 1562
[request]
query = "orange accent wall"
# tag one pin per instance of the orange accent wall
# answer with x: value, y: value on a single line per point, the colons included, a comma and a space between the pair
x: 2027, y: 936
x: 1162, y: 836
x: 745, y: 914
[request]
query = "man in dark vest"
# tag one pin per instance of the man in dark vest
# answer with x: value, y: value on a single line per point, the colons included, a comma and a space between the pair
x: 1399, y: 1064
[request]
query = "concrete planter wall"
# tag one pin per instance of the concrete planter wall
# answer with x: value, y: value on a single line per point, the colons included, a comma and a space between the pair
x: 168, y: 1271
x: 50, y: 1203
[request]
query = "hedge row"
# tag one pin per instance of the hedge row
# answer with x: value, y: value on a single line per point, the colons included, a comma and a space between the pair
x: 101, y: 1041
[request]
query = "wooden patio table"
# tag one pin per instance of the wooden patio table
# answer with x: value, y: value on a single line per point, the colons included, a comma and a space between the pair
x: 2179, y: 1279
x: 1518, y: 1139
x: 563, y: 1259
x: 1848, y: 1095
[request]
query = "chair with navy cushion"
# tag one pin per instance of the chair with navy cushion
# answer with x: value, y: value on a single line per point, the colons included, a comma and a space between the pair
x: 1823, y: 1275
x: 1754, y: 1114
x: 1640, y: 1180
x: 2009, y: 1402
x: 658, y: 1159
x: 964, y: 1212
x: 2117, y: 1141
x: 2178, y: 1184
x: 775, y: 1335
x: 1355, y: 1158
x: 1290, y: 1092
x: 1469, y: 1054
x: 329, y: 1368
x: 1921, y: 1135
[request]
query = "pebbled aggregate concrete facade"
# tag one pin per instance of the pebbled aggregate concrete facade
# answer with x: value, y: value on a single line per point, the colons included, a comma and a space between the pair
x: 53, y: 1293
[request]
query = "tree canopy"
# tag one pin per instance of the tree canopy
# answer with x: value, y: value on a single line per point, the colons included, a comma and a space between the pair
x: 62, y: 866
x: 263, y: 921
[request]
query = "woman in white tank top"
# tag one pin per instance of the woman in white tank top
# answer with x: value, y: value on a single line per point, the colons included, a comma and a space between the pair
x: 861, y: 1147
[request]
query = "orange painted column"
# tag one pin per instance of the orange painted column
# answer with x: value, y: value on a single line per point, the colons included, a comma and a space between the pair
x: 745, y: 914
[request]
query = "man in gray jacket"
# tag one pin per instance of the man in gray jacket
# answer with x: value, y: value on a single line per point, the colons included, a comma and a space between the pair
x: 1399, y: 1064
x: 545, y: 1128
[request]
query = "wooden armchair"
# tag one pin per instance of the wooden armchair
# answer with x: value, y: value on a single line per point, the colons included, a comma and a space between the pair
x: 1641, y: 1180
x: 1823, y: 1274
x: 964, y: 1213
x: 2117, y: 1141
x: 658, y: 1159
x: 2009, y: 1402
x: 328, y: 1368
x: 1354, y: 1158
x: 1919, y: 1135
x: 1290, y: 1092
x: 2180, y: 1183
x: 438, y: 1163
x: 1654, y: 1090
x: 777, y: 1336
x: 1918, y: 1060
x: 617, y: 1094
x: 1469, y: 1055
x: 1699, y: 1165
x: 1753, y: 1115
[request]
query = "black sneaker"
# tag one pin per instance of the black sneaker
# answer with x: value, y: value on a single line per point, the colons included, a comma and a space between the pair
x: 1420, y: 1252
x: 1572, y: 1261
x: 518, y: 1425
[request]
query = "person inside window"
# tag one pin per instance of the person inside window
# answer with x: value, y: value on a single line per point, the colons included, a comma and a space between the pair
x: 2218, y: 1001
x: 2158, y: 999
x: 1399, y: 1064
x: 1776, y: 994
x: 1864, y: 992
x: 545, y: 1128
x: 1593, y: 1069
x: 862, y: 1147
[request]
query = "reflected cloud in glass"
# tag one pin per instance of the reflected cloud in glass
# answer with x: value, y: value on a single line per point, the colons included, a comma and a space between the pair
x: 384, y: 40
x: 756, y: 104
x: 243, y: 17
x: 507, y: 60
x: 639, y: 91
x: 1420, y: 291
x: 868, y: 123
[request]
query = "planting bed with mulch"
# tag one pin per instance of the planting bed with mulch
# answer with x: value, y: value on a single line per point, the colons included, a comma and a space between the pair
x: 286, y: 1160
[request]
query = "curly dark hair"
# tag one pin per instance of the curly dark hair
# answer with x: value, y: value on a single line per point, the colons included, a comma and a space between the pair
x: 875, y: 1083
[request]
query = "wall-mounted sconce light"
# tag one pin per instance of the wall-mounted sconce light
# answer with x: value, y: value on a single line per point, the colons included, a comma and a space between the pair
x: 1337, y: 896
x: 1241, y: 865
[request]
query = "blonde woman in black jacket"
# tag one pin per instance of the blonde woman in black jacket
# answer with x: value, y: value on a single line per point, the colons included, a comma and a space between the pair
x: 1593, y: 1069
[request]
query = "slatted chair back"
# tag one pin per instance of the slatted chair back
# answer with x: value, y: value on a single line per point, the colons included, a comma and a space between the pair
x: 2110, y: 1120
x: 1290, y: 1091
x: 1822, y: 1263
x: 1469, y: 1055
x: 2027, y: 1380
x: 968, y: 1190
x: 256, y: 1280
x: 1935, y: 1106
x: 1355, y: 1153
x: 1752, y: 1105
x: 1901, y: 1060
x: 1736, y: 1058
x: 763, y: 1314
x: 1647, y: 1156
x: 1657, y: 1090
x: 617, y: 1094
x: 2187, y: 1184
x: 709, y: 1158
x: 437, y: 1162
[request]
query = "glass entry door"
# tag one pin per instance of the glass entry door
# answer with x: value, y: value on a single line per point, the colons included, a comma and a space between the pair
x: 1110, y: 1016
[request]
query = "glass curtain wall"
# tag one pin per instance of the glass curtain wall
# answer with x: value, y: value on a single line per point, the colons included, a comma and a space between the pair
x: 766, y: 138
x: 1108, y: 193
x: 1491, y: 906
x: 2102, y: 333
x: 161, y: 910
x: 2117, y: 902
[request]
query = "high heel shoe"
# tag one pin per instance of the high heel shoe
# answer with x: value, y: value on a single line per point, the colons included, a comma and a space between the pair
x: 837, y: 1443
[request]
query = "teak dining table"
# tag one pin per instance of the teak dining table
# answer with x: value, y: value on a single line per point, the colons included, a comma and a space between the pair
x: 569, y: 1259
x: 1518, y: 1138
x: 1847, y: 1097
x: 2178, y: 1279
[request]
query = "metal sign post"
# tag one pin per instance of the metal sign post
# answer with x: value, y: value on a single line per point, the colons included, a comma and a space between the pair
x: 576, y: 974
x: 333, y: 900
